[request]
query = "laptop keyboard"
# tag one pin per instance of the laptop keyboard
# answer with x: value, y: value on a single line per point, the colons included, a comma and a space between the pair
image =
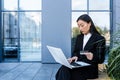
x: 74, y: 64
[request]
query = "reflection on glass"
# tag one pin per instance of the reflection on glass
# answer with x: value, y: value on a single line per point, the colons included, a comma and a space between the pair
x: 30, y: 4
x: 30, y: 36
x: 79, y: 4
x: 102, y: 20
x: 99, y: 4
x: 10, y: 33
x: 10, y: 4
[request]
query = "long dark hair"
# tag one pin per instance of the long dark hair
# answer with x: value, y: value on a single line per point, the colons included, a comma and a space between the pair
x: 88, y: 19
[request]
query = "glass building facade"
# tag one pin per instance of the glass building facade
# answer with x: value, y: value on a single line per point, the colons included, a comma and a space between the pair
x: 26, y: 23
x: 21, y: 26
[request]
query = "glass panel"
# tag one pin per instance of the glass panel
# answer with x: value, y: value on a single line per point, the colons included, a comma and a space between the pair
x: 30, y: 37
x: 79, y: 4
x: 10, y: 34
x: 103, y: 22
x: 10, y: 4
x: 75, y: 15
x: 99, y: 4
x: 30, y: 4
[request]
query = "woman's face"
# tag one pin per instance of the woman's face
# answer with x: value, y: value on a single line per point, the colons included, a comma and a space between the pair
x: 84, y: 26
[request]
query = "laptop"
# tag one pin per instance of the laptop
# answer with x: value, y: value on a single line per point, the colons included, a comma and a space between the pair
x: 59, y: 57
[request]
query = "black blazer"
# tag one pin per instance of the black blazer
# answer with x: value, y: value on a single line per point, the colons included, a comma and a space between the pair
x: 96, y: 45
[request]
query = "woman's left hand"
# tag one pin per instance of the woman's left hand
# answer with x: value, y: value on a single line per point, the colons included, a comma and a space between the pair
x: 89, y: 55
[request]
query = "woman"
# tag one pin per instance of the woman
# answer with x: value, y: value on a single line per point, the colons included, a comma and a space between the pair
x: 93, y: 44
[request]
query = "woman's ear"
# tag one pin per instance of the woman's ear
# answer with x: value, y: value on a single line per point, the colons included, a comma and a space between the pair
x: 89, y: 23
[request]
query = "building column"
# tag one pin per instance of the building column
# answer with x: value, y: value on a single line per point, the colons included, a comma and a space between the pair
x: 56, y: 27
x: 116, y: 22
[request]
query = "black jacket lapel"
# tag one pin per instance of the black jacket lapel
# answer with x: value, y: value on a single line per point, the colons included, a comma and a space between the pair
x: 90, y: 41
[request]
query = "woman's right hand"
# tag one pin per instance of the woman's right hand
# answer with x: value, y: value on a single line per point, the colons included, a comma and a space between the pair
x: 74, y: 58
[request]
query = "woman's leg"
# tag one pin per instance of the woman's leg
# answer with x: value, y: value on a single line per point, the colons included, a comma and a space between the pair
x: 77, y: 74
x: 63, y: 73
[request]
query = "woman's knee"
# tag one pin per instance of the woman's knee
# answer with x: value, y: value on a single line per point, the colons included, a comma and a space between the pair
x: 63, y: 73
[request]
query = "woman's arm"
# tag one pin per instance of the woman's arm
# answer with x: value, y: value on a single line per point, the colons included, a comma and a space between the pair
x: 99, y: 53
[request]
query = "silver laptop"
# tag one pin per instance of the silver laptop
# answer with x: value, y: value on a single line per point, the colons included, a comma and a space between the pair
x: 59, y: 57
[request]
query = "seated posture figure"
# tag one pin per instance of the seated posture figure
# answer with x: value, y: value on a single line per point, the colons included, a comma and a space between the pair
x: 90, y: 41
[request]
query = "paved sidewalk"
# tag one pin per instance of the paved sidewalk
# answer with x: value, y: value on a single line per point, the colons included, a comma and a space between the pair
x: 32, y: 71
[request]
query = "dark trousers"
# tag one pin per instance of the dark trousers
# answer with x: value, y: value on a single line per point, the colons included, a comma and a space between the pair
x: 65, y: 73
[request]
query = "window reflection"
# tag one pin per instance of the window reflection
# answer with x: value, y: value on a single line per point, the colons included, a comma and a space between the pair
x: 10, y: 4
x: 10, y: 34
x: 30, y: 4
x: 79, y: 4
x: 99, y: 4
x: 30, y: 36
x: 22, y: 30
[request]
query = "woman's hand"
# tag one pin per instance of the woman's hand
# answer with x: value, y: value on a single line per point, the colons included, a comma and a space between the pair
x: 89, y: 55
x: 74, y: 58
